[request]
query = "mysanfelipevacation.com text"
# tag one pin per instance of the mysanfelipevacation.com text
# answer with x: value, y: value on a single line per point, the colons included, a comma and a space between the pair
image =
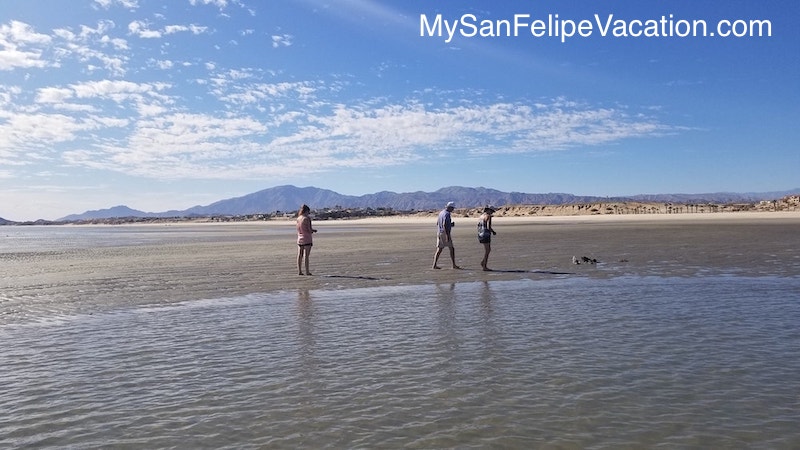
x: 553, y: 26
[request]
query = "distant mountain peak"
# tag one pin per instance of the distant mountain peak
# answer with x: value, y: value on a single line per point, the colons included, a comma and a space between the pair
x: 114, y: 211
x: 289, y: 198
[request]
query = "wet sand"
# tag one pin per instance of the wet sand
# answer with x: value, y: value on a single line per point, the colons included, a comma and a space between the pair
x: 261, y: 257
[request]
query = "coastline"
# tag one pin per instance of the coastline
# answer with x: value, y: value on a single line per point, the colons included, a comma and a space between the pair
x: 194, y: 261
x: 789, y: 203
x: 594, y: 218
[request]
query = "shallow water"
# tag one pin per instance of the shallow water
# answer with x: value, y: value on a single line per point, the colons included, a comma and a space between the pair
x: 37, y: 238
x: 626, y: 362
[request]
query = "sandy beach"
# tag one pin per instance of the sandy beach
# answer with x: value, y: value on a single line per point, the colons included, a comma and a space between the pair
x: 243, y: 258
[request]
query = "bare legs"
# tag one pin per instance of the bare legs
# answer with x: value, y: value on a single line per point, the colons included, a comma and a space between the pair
x: 301, y: 251
x: 439, y: 253
x: 487, y: 247
x: 436, y: 258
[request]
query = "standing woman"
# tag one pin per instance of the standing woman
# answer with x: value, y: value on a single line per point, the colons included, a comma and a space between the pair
x: 485, y: 233
x: 304, y: 239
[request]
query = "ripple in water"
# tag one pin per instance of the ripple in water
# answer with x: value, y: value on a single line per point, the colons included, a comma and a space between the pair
x: 564, y: 363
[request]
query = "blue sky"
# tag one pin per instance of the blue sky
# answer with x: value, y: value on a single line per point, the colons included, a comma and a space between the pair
x: 166, y: 105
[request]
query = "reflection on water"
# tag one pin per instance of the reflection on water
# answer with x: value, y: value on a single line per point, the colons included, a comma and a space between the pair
x: 305, y: 323
x: 565, y: 363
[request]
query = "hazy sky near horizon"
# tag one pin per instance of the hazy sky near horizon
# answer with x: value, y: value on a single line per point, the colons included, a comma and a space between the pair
x: 166, y: 105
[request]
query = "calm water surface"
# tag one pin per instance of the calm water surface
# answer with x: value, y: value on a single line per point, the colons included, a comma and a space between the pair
x: 627, y: 362
x: 58, y: 238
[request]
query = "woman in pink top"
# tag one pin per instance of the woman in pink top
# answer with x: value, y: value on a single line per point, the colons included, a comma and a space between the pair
x: 304, y: 239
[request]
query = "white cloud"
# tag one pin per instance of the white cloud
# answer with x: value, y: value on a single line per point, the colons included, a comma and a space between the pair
x: 252, y: 128
x: 164, y: 64
x: 194, y: 29
x: 103, y: 26
x: 200, y: 146
x: 74, y: 108
x: 89, y: 45
x: 17, y: 32
x: 142, y: 29
x: 117, y: 43
x: 33, y: 135
x: 176, y: 146
x: 53, y: 95
x: 284, y: 40
x: 221, y: 4
x: 13, y: 58
x: 107, y: 4
x: 253, y: 93
x: 7, y: 95
x: 145, y: 99
x: 117, y: 90
x: 248, y: 125
x: 36, y: 132
x: 21, y: 46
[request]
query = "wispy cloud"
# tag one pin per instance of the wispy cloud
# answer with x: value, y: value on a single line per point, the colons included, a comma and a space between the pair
x: 90, y: 45
x: 143, y: 29
x: 194, y: 29
x: 21, y: 46
x: 111, y: 110
x: 284, y: 40
x: 221, y: 4
x: 254, y: 123
x: 106, y: 4
x: 312, y: 130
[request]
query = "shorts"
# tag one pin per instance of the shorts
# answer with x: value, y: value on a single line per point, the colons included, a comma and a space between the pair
x: 304, y: 245
x: 486, y: 239
x: 442, y: 241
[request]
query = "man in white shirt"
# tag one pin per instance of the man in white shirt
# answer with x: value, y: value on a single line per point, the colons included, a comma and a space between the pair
x: 443, y: 239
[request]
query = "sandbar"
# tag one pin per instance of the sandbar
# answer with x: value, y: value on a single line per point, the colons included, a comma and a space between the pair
x: 258, y: 257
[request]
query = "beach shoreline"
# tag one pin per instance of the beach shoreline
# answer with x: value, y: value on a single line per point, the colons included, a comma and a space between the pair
x: 182, y: 262
x: 679, y: 217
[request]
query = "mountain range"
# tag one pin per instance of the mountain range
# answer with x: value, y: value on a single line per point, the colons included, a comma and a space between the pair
x: 289, y: 198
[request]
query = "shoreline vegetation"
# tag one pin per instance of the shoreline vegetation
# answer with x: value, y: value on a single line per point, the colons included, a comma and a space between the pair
x: 788, y: 203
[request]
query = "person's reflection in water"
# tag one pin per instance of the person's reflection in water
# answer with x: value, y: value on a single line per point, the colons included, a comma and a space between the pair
x: 489, y: 328
x: 306, y: 338
x: 487, y: 302
x: 446, y: 303
x: 306, y: 380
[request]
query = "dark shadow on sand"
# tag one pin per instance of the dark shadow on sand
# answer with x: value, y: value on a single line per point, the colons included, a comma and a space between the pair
x: 355, y: 277
x: 544, y: 272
